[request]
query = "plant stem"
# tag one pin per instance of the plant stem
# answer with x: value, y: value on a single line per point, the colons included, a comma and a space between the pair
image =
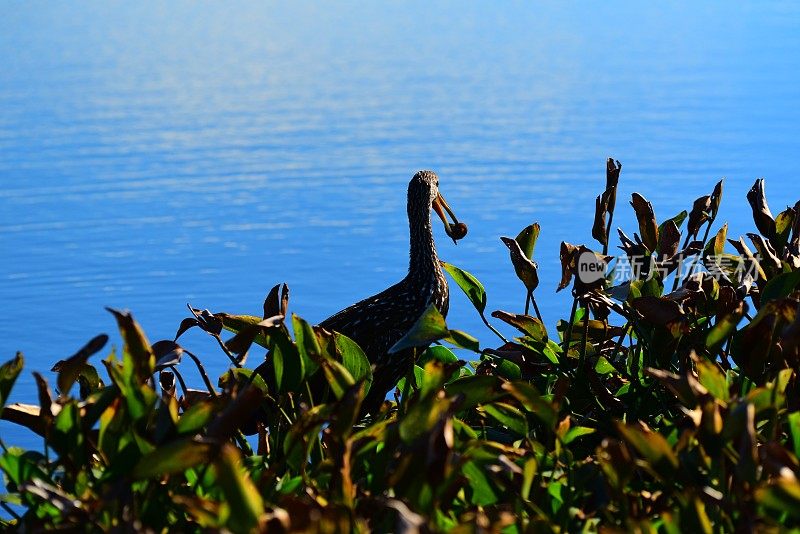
x: 498, y: 334
x: 203, y: 374
x: 536, y: 308
x: 584, y: 340
x: 696, y: 257
x: 234, y: 360
x: 568, y: 332
x: 678, y: 269
x: 608, y: 226
x: 180, y: 379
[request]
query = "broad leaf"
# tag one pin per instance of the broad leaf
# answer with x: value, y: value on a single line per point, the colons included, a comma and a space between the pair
x: 470, y: 285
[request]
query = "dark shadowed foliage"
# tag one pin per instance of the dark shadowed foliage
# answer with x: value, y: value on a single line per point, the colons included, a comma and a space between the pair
x: 665, y: 402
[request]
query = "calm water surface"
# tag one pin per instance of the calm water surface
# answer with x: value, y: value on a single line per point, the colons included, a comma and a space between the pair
x: 157, y: 154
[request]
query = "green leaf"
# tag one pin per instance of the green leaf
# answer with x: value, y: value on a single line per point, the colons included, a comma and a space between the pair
x: 783, y: 226
x: 9, y: 372
x: 477, y: 389
x: 505, y: 368
x: 237, y: 323
x: 483, y: 491
x: 439, y: 353
x: 67, y: 436
x: 421, y: 418
x: 307, y: 344
x: 725, y: 327
x: 304, y: 432
x: 22, y: 466
x: 527, y: 239
x: 528, y: 474
x: 429, y: 327
x: 89, y: 381
x: 463, y: 340
x: 716, y: 246
x: 576, y: 432
x: 469, y: 285
x: 195, y: 418
x: 712, y: 379
x: 533, y: 402
x: 288, y: 484
x: 338, y: 377
x: 174, y: 457
x: 781, y: 495
x: 780, y: 286
x: 651, y: 445
x: 136, y: 344
x: 288, y: 368
x: 508, y: 416
x: 243, y: 377
x: 240, y: 493
x: 603, y: 366
x: 794, y: 427
x: 354, y: 359
x: 678, y: 220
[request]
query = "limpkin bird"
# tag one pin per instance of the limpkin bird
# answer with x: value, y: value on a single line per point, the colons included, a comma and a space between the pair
x: 378, y: 322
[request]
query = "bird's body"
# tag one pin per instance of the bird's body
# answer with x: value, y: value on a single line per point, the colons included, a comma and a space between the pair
x: 378, y: 322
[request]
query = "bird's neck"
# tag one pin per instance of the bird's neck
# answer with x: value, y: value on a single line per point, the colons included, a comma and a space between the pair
x: 424, y: 263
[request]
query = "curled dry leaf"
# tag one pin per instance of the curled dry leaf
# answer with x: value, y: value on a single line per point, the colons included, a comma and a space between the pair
x: 605, y: 202
x: 686, y: 387
x: 658, y: 310
x: 668, y: 240
x: 70, y: 368
x: 762, y: 216
x: 790, y: 341
x: 240, y: 343
x: 647, y: 221
x: 639, y: 258
x: 668, y: 265
x: 599, y: 227
x: 716, y: 199
x: 701, y: 212
x: 167, y: 381
x: 276, y: 304
x: 613, y: 168
x: 207, y: 321
x: 526, y: 269
x: 167, y: 353
x: 526, y: 324
x: 633, y: 249
x: 271, y: 303
x: 752, y: 265
x: 186, y: 324
x: 769, y: 258
x: 569, y: 258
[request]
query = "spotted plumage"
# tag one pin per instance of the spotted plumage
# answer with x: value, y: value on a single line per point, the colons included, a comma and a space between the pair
x: 378, y: 322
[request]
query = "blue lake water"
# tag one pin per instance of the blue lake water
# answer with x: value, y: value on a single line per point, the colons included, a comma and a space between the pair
x: 157, y: 154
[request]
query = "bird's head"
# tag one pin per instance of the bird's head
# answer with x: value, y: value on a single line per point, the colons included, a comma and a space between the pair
x: 423, y: 193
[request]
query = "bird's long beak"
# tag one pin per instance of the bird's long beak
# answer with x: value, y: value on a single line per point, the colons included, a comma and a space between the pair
x: 440, y: 206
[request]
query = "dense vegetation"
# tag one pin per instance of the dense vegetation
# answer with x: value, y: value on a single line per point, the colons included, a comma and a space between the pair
x: 665, y: 403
